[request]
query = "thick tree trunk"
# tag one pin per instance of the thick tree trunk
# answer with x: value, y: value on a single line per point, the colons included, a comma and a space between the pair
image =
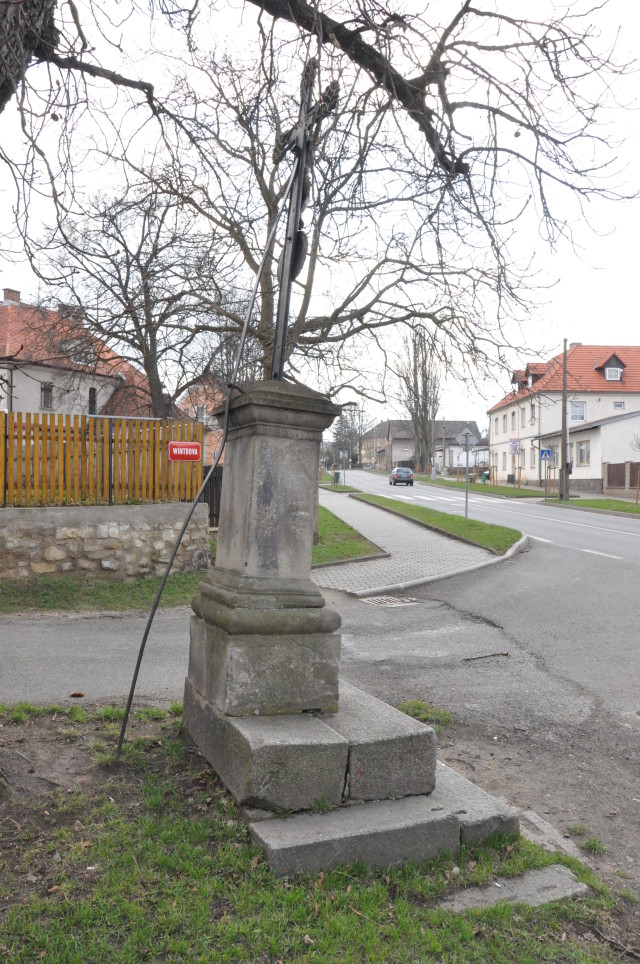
x: 27, y: 33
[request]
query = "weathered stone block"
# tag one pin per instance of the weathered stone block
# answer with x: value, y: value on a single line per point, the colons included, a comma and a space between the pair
x: 390, y: 754
x: 88, y: 564
x: 285, y: 763
x: 479, y: 813
x: 42, y: 568
x: 110, y: 565
x: 247, y: 674
x: 54, y: 554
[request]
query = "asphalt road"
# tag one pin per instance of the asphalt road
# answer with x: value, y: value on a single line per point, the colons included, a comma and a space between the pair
x: 609, y: 536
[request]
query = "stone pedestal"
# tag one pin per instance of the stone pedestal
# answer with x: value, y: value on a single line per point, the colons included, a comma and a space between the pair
x: 262, y: 640
x: 261, y: 699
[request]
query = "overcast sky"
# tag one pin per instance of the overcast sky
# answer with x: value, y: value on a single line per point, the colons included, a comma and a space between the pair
x: 594, y: 298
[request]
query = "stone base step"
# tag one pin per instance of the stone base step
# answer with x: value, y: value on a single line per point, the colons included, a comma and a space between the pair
x: 388, y: 832
x: 368, y: 750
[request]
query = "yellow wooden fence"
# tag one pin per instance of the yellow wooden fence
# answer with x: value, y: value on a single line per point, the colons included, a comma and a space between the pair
x: 48, y: 459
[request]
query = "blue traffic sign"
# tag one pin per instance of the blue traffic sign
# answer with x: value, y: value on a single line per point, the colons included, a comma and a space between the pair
x: 545, y: 454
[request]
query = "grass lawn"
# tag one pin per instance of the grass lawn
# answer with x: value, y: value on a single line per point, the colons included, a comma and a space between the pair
x: 480, y: 488
x: 338, y: 541
x: 151, y: 861
x: 339, y: 488
x: 496, y: 538
x: 611, y: 505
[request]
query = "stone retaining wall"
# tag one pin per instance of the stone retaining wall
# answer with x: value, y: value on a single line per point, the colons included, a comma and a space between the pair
x: 109, y: 542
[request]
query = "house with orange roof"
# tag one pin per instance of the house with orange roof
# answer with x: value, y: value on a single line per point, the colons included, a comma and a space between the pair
x: 50, y: 362
x: 199, y: 402
x: 603, y: 417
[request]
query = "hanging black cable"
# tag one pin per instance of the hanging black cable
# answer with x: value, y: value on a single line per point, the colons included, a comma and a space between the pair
x: 231, y: 387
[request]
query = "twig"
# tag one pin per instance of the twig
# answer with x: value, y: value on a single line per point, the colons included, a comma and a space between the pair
x: 469, y: 659
x: 48, y: 780
x: 22, y: 755
x: 617, y: 946
x: 371, y: 921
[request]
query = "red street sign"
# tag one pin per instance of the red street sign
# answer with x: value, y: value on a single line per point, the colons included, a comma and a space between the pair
x: 185, y: 451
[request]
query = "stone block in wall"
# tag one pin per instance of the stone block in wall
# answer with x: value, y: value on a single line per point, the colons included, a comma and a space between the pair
x: 110, y: 565
x: 87, y: 564
x: 42, y: 568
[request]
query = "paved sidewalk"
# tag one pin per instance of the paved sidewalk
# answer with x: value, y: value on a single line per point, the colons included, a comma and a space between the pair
x: 416, y: 555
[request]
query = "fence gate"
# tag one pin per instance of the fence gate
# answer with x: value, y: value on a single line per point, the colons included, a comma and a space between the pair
x: 211, y: 494
x: 615, y: 475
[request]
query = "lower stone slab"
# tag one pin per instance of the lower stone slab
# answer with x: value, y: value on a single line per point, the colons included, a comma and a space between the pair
x: 379, y: 834
x: 537, y: 887
x: 276, y: 762
x: 386, y: 833
x: 480, y: 814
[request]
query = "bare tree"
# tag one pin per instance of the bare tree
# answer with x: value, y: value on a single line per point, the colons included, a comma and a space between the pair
x: 502, y: 128
x: 419, y: 377
x: 150, y: 283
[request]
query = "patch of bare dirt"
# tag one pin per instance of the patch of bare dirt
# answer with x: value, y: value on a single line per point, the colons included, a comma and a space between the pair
x: 587, y: 786
x: 50, y: 776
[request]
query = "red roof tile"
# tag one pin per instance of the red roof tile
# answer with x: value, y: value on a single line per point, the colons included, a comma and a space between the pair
x: 585, y: 372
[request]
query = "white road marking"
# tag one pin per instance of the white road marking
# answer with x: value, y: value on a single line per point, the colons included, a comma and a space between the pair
x: 561, y: 545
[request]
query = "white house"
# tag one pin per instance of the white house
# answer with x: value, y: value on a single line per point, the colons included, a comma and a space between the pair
x: 49, y: 362
x: 603, y: 387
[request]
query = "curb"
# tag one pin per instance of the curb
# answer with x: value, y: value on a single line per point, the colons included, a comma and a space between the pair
x: 425, y: 525
x: 413, y: 583
x: 345, y: 562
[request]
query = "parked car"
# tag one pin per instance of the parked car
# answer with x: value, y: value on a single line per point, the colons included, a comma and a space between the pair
x: 401, y: 476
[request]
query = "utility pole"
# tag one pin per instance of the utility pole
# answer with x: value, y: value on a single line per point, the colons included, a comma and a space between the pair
x: 563, y: 481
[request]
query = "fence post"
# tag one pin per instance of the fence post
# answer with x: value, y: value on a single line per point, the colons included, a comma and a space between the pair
x: 110, y: 423
x: 5, y: 455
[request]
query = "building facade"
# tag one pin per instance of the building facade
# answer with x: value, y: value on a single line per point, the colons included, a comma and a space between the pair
x: 603, y: 382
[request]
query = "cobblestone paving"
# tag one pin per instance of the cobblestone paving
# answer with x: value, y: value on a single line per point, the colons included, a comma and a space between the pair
x: 415, y: 553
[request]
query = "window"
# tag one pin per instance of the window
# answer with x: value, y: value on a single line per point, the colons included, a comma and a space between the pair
x: 496, y: 423
x: 513, y: 420
x: 46, y: 395
x: 522, y: 416
x: 504, y: 458
x: 522, y: 458
x: 584, y: 452
x: 532, y: 416
x: 504, y: 423
x: 613, y: 374
x: 555, y: 454
x: 92, y: 401
x: 578, y: 411
x: 532, y: 463
x: 619, y: 406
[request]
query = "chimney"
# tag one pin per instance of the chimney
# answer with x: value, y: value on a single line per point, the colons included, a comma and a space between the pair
x: 575, y: 344
x: 12, y: 296
x: 70, y: 312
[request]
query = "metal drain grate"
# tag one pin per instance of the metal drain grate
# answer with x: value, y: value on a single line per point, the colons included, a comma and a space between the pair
x: 391, y: 600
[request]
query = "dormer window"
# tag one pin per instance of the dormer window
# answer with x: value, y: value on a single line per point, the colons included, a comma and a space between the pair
x: 613, y: 374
